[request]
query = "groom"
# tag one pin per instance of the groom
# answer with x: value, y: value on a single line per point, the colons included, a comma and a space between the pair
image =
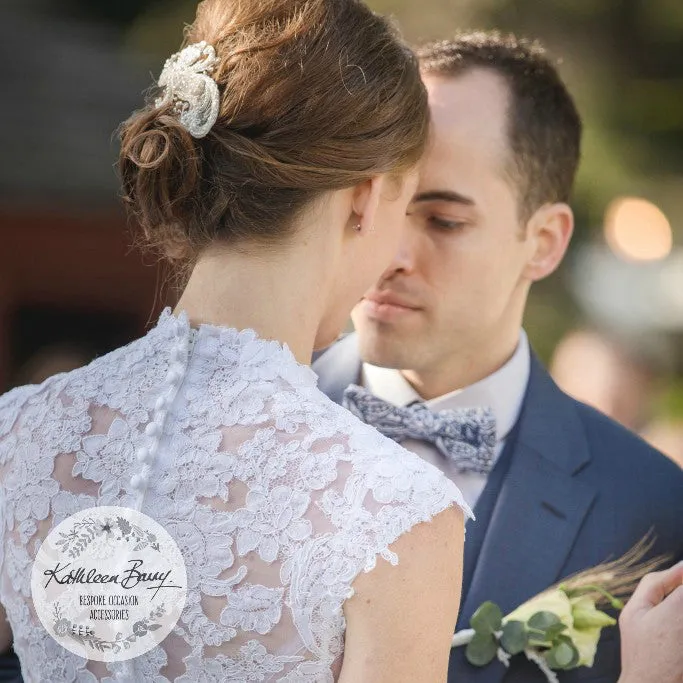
x: 563, y: 487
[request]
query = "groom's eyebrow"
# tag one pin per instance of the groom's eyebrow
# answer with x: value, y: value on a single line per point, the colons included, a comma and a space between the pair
x: 443, y: 196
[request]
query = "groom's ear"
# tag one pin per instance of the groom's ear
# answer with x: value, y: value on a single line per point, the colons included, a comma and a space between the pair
x: 548, y: 234
x: 366, y: 198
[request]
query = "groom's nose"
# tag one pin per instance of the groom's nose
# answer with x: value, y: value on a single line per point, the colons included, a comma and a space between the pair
x: 405, y: 257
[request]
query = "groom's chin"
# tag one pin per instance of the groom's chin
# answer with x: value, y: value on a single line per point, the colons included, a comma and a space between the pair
x: 381, y: 348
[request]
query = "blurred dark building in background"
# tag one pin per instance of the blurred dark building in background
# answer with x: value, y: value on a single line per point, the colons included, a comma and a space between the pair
x: 70, y: 284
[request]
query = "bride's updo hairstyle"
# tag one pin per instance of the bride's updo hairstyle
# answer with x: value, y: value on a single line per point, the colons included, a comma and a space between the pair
x: 315, y: 95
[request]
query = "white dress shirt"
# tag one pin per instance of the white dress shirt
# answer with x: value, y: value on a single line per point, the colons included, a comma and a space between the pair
x: 503, y: 392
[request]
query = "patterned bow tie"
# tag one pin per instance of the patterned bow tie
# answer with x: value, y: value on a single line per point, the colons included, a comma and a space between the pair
x: 467, y: 436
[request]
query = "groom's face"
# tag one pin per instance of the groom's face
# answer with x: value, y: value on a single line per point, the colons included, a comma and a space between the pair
x: 456, y: 286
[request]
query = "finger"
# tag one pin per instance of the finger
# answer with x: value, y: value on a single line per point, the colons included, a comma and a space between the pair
x: 670, y: 610
x: 654, y: 587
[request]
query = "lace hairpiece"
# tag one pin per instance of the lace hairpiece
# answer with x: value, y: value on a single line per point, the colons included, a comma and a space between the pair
x: 187, y: 83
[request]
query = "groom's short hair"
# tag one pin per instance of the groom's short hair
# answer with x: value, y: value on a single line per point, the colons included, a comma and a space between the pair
x: 544, y: 126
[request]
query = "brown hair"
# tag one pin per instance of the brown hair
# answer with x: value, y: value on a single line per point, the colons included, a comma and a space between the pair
x: 316, y: 95
x: 544, y: 127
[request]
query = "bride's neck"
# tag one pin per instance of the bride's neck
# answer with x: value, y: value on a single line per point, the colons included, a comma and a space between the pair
x: 279, y: 294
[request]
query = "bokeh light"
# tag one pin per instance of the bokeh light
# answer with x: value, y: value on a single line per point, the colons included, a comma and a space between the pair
x: 637, y: 230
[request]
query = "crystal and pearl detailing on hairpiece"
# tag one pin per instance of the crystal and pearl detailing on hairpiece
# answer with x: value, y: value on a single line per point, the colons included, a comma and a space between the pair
x: 187, y: 83
x: 277, y: 498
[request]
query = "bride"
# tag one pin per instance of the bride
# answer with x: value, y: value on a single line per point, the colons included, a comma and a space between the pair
x: 273, y: 168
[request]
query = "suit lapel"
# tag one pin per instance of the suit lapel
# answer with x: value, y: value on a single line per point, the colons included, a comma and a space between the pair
x: 539, y: 510
x: 477, y: 528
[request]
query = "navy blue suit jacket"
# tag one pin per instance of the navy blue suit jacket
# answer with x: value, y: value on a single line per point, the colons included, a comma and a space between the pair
x: 571, y: 489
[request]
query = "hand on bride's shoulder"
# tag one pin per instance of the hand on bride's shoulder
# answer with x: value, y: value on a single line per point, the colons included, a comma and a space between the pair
x: 652, y: 630
x: 400, y: 620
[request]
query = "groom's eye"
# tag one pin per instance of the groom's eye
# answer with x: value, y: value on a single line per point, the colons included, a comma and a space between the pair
x: 446, y: 224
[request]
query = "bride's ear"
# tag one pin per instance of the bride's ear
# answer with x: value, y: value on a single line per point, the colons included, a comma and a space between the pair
x: 365, y: 202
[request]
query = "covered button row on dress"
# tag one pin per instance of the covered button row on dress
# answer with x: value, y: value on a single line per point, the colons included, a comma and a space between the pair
x: 146, y: 455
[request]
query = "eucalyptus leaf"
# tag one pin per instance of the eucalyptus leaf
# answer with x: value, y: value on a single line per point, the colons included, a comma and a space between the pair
x: 487, y: 619
x: 542, y: 621
x: 564, y: 654
x: 514, y: 639
x: 562, y: 638
x: 575, y: 659
x: 549, y: 657
x: 560, y: 656
x: 552, y: 632
x: 481, y: 649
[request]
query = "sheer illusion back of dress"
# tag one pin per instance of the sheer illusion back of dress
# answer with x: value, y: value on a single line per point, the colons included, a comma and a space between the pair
x: 277, y: 498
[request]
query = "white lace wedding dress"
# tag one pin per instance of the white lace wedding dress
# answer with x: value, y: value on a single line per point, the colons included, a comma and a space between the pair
x: 277, y: 497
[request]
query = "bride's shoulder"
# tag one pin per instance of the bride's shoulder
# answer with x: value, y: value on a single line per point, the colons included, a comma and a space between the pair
x: 74, y: 390
x: 369, y: 492
x: 11, y: 405
x: 392, y: 474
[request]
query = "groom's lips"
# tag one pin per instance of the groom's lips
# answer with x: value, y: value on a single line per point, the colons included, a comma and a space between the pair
x: 385, y: 306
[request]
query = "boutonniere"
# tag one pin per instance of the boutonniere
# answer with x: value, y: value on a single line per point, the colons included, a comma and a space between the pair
x: 558, y: 629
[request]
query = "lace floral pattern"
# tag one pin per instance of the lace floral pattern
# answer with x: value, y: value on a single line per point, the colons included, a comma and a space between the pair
x: 277, y: 498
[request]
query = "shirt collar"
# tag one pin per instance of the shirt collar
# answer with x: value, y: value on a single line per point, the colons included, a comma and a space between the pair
x: 503, y: 391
